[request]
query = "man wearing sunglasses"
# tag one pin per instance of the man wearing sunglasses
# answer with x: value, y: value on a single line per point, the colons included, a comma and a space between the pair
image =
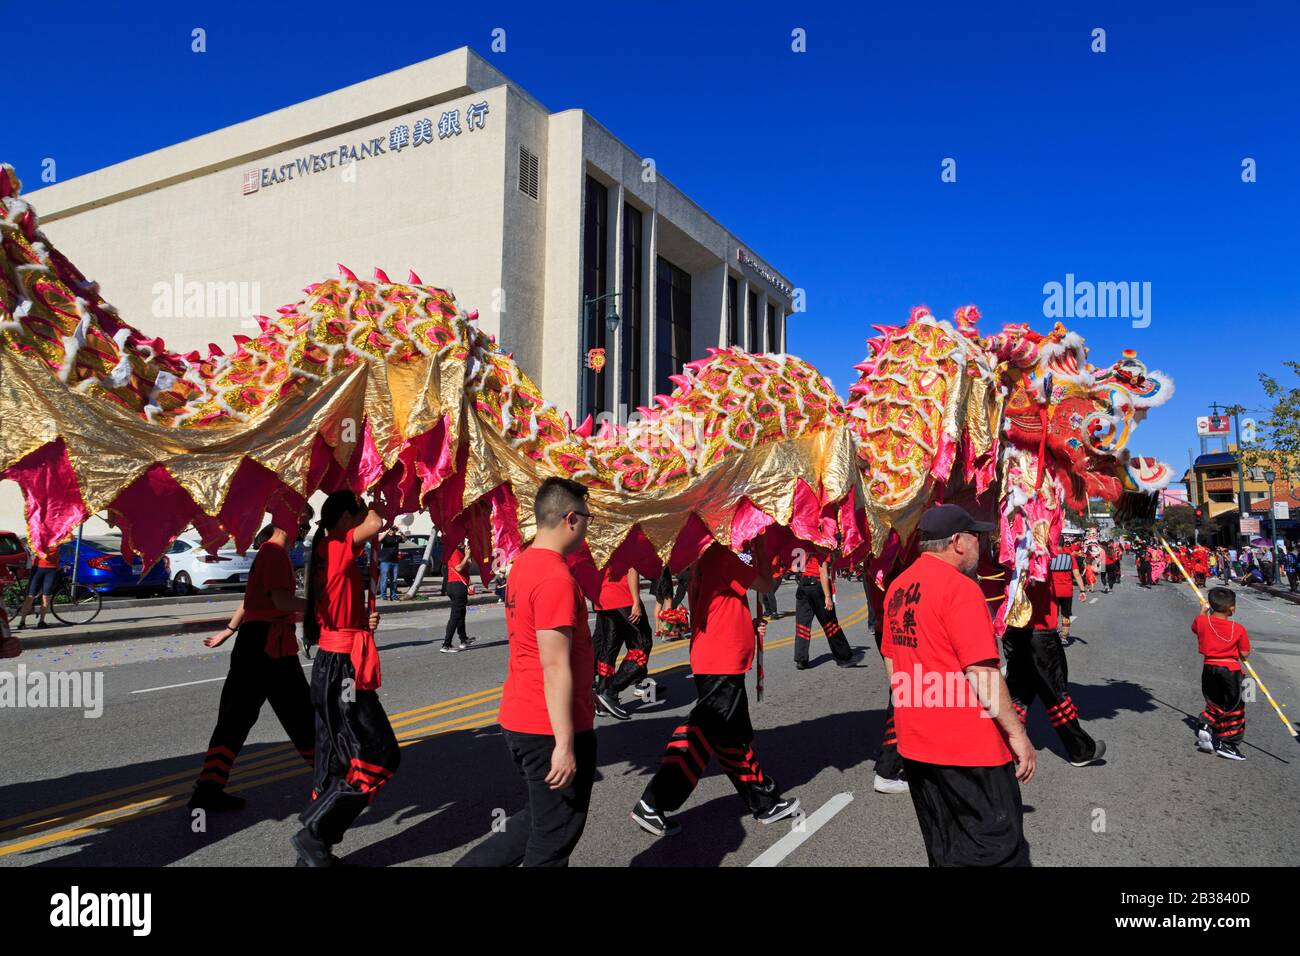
x: 547, y: 712
x: 964, y: 769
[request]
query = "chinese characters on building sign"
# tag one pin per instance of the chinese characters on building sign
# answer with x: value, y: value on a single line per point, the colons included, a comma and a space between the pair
x: 400, y: 137
x: 745, y: 259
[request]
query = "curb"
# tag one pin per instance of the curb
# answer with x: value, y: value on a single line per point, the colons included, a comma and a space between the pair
x: 1276, y: 592
x: 89, y: 635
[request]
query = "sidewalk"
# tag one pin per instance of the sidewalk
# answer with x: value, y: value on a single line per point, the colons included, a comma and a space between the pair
x: 1285, y: 593
x: 190, y: 615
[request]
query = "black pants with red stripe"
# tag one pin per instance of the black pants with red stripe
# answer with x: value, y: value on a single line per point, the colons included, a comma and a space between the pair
x: 1224, y: 711
x: 718, y: 725
x: 889, y: 764
x: 356, y: 749
x: 809, y: 602
x: 615, y: 630
x: 255, y: 679
x: 1036, y: 668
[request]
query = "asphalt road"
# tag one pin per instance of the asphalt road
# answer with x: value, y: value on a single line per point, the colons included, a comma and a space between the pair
x: 110, y: 791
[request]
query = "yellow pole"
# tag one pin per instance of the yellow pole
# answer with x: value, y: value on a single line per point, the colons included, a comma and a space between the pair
x: 1290, y: 728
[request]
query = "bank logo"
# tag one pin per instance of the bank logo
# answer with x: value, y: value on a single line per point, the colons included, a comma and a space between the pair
x: 252, y: 180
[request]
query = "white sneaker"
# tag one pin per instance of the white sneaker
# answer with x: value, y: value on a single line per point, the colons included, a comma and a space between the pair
x: 450, y: 649
x: 1204, y: 741
x: 881, y: 785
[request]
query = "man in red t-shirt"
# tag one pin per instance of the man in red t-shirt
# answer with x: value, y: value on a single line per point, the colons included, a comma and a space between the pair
x: 1224, y: 644
x: 620, y: 621
x: 263, y: 667
x: 44, y: 579
x: 547, y: 715
x: 964, y: 751
x: 722, y: 651
x: 456, y: 584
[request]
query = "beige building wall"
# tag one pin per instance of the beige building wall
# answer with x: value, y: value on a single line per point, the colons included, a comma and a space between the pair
x: 184, y: 254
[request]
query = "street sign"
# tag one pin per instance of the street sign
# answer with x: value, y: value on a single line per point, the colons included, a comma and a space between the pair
x: 1250, y: 526
x: 1209, y: 425
x: 1282, y: 510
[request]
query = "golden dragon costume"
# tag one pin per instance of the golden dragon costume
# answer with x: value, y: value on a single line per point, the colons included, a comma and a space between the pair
x: 390, y: 388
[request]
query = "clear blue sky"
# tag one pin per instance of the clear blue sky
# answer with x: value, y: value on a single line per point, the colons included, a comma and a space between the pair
x: 1120, y: 166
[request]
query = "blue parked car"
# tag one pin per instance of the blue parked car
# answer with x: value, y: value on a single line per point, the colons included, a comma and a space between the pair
x: 102, y: 569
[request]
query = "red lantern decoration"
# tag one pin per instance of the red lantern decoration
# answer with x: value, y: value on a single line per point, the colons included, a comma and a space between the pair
x: 596, y: 359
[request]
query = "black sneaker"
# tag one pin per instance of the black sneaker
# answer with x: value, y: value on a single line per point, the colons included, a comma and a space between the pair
x: 311, y: 851
x: 206, y: 797
x: 1229, y: 751
x: 801, y: 665
x: 41, y: 625
x: 652, y: 821
x: 783, y: 808
x: 448, y: 649
x: 607, y: 706
x: 464, y: 645
x: 1096, y: 755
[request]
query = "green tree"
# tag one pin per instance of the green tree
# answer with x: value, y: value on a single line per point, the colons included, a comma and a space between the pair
x: 1176, y: 523
x: 1277, y: 444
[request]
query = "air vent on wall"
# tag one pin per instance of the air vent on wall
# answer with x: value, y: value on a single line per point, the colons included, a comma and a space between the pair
x: 528, y: 172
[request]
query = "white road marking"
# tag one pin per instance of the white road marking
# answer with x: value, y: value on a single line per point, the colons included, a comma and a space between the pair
x: 783, y: 847
x: 171, y: 686
x: 209, y: 680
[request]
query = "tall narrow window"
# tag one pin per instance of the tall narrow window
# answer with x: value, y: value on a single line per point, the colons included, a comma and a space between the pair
x: 771, y: 329
x: 751, y: 324
x: 630, y: 308
x: 733, y: 323
x: 595, y: 283
x: 672, y: 323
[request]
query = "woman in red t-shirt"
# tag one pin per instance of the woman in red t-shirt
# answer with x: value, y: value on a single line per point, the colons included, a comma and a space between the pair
x: 356, y: 750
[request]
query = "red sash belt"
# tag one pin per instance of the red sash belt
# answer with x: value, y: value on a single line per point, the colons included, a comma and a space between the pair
x: 360, y: 646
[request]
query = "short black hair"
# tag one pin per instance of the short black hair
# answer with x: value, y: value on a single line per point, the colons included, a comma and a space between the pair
x: 1222, y: 599
x: 264, y: 536
x: 556, y: 498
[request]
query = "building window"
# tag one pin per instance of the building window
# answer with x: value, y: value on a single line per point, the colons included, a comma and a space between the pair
x: 733, y: 322
x: 771, y: 329
x: 751, y: 323
x: 528, y: 169
x: 631, y: 308
x: 672, y: 323
x: 595, y: 283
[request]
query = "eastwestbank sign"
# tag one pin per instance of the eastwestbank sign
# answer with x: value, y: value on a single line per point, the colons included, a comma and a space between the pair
x: 747, y: 260
x: 419, y: 133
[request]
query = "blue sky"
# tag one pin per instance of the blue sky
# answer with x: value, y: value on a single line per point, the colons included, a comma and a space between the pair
x: 1116, y: 166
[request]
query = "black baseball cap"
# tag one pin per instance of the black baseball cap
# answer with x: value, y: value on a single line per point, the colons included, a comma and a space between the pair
x: 943, y: 521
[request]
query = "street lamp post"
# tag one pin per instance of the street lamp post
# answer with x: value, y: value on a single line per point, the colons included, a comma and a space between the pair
x: 1269, y: 475
x: 612, y: 322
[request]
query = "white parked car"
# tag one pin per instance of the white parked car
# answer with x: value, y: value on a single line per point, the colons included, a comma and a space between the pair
x: 193, y: 569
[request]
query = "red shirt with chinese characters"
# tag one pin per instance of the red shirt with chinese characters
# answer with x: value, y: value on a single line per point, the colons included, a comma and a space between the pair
x: 936, y: 625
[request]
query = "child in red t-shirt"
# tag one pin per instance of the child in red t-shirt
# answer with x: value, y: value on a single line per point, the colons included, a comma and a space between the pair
x: 722, y: 652
x: 1224, y: 644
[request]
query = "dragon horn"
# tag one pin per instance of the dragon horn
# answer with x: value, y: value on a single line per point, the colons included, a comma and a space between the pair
x: 346, y: 273
x: 585, y: 428
x: 412, y: 278
x: 381, y: 276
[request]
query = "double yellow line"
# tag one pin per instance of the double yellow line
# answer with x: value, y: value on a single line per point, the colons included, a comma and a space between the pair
x: 66, y: 821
